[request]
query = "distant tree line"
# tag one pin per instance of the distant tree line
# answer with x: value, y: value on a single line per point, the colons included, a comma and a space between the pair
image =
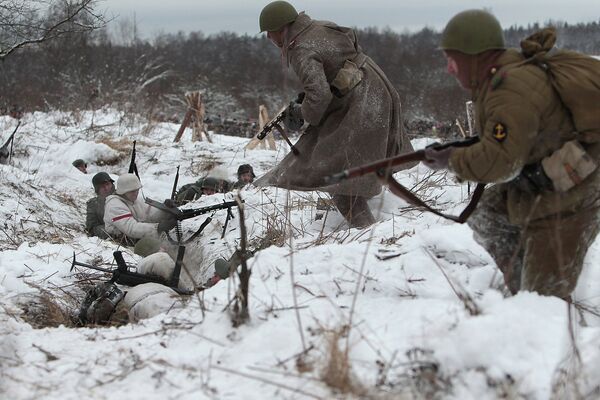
x: 85, y: 70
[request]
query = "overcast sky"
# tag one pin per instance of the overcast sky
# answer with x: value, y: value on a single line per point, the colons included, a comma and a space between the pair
x: 241, y: 16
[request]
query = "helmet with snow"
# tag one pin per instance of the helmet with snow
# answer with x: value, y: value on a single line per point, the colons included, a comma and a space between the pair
x: 127, y: 183
x: 472, y: 32
x: 276, y: 15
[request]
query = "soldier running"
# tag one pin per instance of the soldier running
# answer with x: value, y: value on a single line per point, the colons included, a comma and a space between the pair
x: 352, y: 109
x: 538, y: 235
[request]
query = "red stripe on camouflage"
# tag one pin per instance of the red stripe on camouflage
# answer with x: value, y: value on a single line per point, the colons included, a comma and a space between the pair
x: 115, y: 219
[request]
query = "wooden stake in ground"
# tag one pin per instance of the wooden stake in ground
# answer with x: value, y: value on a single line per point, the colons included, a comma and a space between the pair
x: 241, y: 312
x: 263, y: 118
x: 195, y: 113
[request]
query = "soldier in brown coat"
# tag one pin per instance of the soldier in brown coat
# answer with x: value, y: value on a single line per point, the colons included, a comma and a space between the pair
x: 537, y: 233
x: 352, y: 109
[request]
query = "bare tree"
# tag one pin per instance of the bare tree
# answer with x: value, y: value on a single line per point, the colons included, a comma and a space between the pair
x: 29, y: 22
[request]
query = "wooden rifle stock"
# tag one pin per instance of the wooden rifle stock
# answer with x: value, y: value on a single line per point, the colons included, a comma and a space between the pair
x: 376, y: 167
x: 385, y: 165
x: 384, y: 170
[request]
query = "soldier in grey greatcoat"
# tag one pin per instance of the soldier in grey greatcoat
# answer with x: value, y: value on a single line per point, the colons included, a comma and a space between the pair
x: 94, y: 218
x: 352, y: 109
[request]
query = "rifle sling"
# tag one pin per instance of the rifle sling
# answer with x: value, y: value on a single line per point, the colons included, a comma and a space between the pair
x: 402, y: 192
x: 287, y: 139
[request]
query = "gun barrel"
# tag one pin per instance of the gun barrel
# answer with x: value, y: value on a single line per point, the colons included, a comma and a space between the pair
x: 80, y: 264
x: 269, y: 126
x: 194, y: 212
x: 11, y: 137
x: 375, y: 167
x: 174, y: 190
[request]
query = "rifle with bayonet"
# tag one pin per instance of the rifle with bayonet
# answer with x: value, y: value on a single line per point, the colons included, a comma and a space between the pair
x: 5, y: 153
x: 124, y: 275
x: 384, y: 170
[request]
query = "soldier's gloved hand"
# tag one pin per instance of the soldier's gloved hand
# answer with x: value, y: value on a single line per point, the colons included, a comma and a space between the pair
x: 300, y: 97
x: 222, y: 268
x: 437, y: 158
x: 292, y: 117
x: 166, y: 224
x: 170, y: 203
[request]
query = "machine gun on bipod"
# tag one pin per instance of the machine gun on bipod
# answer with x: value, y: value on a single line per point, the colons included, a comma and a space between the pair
x: 124, y: 275
x: 184, y: 214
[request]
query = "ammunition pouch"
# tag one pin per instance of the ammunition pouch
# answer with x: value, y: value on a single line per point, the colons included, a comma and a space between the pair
x: 560, y: 171
x: 349, y: 76
x: 568, y: 166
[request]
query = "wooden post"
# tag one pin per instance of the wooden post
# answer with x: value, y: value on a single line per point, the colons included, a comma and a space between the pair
x: 194, y: 112
x: 263, y: 118
x: 184, y: 124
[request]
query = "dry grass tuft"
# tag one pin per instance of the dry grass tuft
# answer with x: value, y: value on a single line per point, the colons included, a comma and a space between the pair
x: 47, y: 310
x: 204, y: 165
x: 122, y: 145
x: 337, y: 372
x: 275, y: 234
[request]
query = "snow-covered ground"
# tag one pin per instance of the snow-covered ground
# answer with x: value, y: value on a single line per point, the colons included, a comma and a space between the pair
x: 334, y: 313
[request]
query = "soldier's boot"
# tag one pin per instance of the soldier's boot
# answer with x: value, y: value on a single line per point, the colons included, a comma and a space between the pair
x: 223, y: 268
x: 355, y: 210
x: 512, y: 273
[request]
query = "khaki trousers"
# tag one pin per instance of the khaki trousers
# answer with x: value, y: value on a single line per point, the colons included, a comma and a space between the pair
x: 546, y: 256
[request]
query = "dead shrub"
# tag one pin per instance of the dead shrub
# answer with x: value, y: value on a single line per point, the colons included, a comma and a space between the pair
x: 337, y: 371
x: 275, y: 234
x: 419, y: 378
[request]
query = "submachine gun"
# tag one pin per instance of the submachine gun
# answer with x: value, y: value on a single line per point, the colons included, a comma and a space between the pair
x: 277, y: 121
x: 124, y: 275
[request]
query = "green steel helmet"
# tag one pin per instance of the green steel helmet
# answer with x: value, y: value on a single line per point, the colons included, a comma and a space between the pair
x: 472, y: 32
x: 79, y: 163
x: 276, y: 15
x: 244, y: 168
x: 211, y: 183
x: 99, y: 179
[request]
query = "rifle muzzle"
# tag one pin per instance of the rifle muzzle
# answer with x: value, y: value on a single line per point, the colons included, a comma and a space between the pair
x: 261, y: 135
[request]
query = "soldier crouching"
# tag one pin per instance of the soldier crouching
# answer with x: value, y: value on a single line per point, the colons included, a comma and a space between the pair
x: 126, y: 214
